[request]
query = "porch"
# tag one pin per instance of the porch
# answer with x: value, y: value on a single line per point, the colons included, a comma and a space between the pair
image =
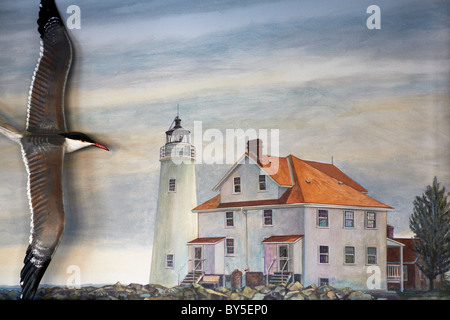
x: 206, y: 262
x: 282, y: 258
x: 395, y: 269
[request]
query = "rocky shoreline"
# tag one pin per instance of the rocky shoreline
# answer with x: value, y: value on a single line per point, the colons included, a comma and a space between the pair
x: 134, y: 291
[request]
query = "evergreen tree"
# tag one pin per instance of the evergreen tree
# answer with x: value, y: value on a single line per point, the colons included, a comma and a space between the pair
x: 430, y: 222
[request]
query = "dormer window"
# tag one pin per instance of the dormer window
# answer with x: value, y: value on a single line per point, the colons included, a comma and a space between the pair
x: 262, y: 183
x: 237, y: 185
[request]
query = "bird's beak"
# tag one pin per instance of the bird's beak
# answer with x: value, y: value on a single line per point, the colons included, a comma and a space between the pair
x: 99, y: 145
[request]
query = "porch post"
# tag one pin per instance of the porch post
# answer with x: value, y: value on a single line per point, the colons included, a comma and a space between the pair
x: 401, y: 268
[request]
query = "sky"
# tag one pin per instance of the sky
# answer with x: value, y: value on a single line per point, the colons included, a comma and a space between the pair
x: 376, y: 101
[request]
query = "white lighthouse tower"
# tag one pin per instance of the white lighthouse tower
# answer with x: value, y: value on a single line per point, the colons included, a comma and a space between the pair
x: 175, y: 223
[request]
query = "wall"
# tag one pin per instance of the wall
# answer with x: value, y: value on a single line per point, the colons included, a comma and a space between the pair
x: 337, y: 237
x: 175, y: 223
x: 249, y: 174
x: 286, y: 221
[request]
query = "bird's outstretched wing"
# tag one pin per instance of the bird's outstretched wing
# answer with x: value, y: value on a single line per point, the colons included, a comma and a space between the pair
x: 46, y: 98
x: 43, y: 160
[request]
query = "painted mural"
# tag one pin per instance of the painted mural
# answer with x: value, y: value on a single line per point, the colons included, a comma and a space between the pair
x: 253, y: 145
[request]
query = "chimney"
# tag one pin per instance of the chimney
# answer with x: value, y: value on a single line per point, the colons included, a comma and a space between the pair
x: 254, y: 149
x: 390, y: 231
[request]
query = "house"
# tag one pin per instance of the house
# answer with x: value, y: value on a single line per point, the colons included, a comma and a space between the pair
x: 280, y: 219
x: 414, y: 278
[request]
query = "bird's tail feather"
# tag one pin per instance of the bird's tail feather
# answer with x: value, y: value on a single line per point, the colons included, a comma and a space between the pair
x: 31, y: 275
x: 9, y: 130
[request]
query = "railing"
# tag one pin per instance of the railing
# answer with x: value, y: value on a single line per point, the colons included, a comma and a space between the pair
x: 178, y: 150
x: 197, y: 262
x: 268, y: 270
x: 393, y: 273
x: 284, y: 267
x: 179, y: 270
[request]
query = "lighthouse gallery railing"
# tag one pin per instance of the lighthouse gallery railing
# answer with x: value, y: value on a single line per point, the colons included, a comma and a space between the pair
x: 177, y: 151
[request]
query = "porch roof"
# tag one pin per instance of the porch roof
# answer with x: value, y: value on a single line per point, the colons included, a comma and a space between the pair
x: 209, y: 240
x: 280, y: 239
x: 392, y: 243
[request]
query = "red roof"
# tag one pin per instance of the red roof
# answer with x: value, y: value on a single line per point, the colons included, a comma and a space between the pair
x: 207, y: 240
x: 314, y: 183
x: 278, y: 239
x: 278, y: 169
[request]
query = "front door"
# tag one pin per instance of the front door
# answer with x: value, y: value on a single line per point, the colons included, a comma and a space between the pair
x: 283, y: 258
x: 198, y: 259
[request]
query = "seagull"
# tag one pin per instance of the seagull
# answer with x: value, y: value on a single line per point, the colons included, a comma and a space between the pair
x: 43, y: 145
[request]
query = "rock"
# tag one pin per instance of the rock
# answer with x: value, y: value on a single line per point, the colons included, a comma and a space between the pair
x: 346, y: 291
x: 136, y: 286
x: 308, y: 291
x: 224, y: 291
x: 187, y: 294
x: 296, y: 286
x: 325, y: 289
x: 279, y: 289
x: 262, y: 289
x: 258, y: 296
x: 122, y: 296
x: 294, y: 295
x: 59, y: 296
x: 339, y: 295
x: 273, y: 295
x: 248, y: 292
x: 328, y: 296
x: 313, y: 297
x: 209, y: 294
x: 135, y: 291
x: 160, y: 290
x: 235, y: 296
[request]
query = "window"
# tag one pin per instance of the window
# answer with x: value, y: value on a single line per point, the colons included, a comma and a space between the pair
x: 323, y: 254
x: 236, y: 184
x: 323, y: 282
x: 229, y: 219
x: 371, y: 255
x: 349, y: 219
x: 169, y: 260
x: 172, y: 185
x: 371, y: 220
x: 322, y: 218
x: 262, y: 182
x: 229, y: 246
x: 349, y: 255
x: 267, y: 217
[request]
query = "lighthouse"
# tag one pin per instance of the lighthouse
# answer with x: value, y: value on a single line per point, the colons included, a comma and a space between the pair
x: 175, y: 223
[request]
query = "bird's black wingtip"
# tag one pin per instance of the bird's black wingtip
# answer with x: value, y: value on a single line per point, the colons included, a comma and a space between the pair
x: 48, y: 12
x: 31, y: 275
